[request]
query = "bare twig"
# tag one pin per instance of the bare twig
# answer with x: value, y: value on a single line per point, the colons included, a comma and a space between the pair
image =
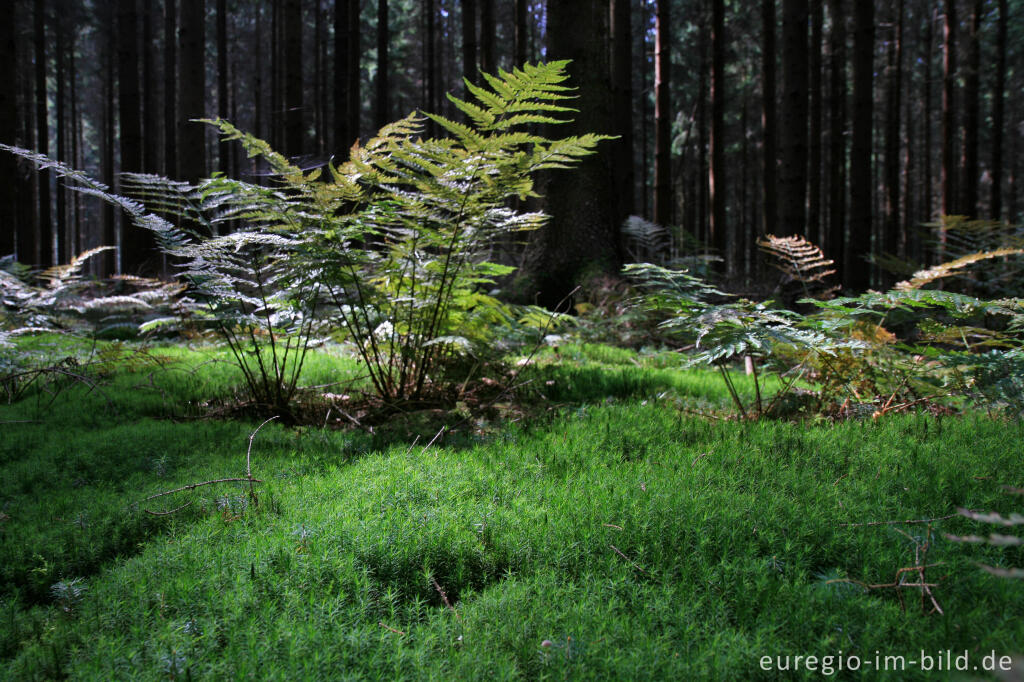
x: 248, y: 453
x: 169, y: 511
x: 444, y: 597
x: 436, y: 436
x: 193, y: 486
x: 390, y: 629
x: 635, y: 564
x: 893, y: 523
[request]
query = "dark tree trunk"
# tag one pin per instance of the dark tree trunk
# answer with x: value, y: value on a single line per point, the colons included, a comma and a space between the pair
x: 9, y: 183
x: 968, y: 204
x: 662, y: 115
x: 294, y: 143
x: 927, y: 180
x: 622, y: 93
x: 60, y: 57
x: 382, y: 109
x: 430, y: 67
x: 223, y: 148
x: 469, y: 43
x: 170, y: 89
x: 110, y: 218
x: 487, y: 37
x: 354, y: 70
x: 43, y: 137
x: 998, y: 116
x: 137, y: 244
x: 521, y: 38
x: 582, y: 237
x: 724, y: 242
x: 949, y: 109
x: 814, y: 128
x: 769, y: 155
x: 151, y: 116
x: 891, y: 236
x: 792, y: 183
x: 857, y: 273
x: 192, y: 45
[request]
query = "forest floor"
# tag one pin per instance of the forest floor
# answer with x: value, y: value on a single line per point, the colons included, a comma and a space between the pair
x: 608, y: 534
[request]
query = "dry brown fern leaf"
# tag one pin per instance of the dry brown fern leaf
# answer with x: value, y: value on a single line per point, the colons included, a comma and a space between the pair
x: 800, y: 260
x: 953, y: 267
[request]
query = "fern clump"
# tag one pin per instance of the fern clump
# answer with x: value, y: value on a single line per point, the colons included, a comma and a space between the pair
x: 391, y: 248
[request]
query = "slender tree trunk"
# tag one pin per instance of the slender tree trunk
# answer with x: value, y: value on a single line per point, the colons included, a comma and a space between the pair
x: 223, y: 147
x: 622, y: 93
x: 382, y: 109
x: 891, y: 237
x: 111, y: 263
x: 192, y: 45
x: 151, y: 116
x: 75, y: 245
x: 487, y: 37
x: 60, y: 58
x: 128, y: 96
x: 294, y: 144
x: 354, y: 70
x: 521, y: 36
x: 342, y: 125
x: 662, y: 115
x: 318, y: 70
x: 998, y: 116
x: 170, y: 89
x: 968, y: 204
x: 645, y: 117
x: 720, y: 235
x: 814, y: 139
x: 926, y: 147
x: 469, y: 43
x: 769, y: 155
x: 792, y: 183
x: 430, y: 42
x: 9, y: 183
x: 858, y: 274
x: 43, y: 137
x: 949, y: 109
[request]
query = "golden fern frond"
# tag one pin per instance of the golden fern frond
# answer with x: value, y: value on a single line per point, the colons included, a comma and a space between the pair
x: 953, y: 267
x: 798, y: 258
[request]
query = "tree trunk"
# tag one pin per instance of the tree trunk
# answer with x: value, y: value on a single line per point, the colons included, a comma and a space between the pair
x: 294, y: 143
x: 223, y: 147
x: 792, y: 183
x: 720, y: 236
x: 170, y: 89
x: 521, y: 39
x: 60, y: 57
x: 430, y: 41
x: 382, y: 109
x: 43, y: 137
x: 662, y: 115
x: 9, y: 184
x: 354, y: 70
x: 769, y: 155
x: 857, y: 274
x: 814, y: 139
x: 622, y: 93
x: 151, y: 117
x: 110, y: 217
x: 192, y: 45
x: 998, y: 117
x: 342, y: 125
x: 926, y: 146
x: 968, y: 204
x: 582, y: 237
x: 891, y: 236
x: 469, y: 46
x: 949, y: 109
x: 487, y: 37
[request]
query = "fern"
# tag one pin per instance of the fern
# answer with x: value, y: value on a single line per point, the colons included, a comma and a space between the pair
x: 801, y: 263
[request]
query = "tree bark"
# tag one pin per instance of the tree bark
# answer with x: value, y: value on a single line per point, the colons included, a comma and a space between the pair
x: 469, y: 43
x: 43, y: 136
x: 857, y: 273
x: 223, y: 147
x: 662, y: 115
x: 294, y: 144
x: 60, y: 54
x: 487, y: 37
x: 891, y: 233
x: 998, y: 116
x: 792, y: 183
x: 170, y: 89
x: 9, y: 183
x: 192, y: 46
x: 382, y: 108
x: 354, y: 70
x: 151, y: 117
x: 521, y: 39
x: 769, y: 155
x: 725, y: 243
x: 968, y: 204
x: 948, y: 170
x: 622, y: 93
x: 582, y: 238
x: 814, y: 170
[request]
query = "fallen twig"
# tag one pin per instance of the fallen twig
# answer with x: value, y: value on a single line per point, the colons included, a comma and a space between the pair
x: 635, y: 564
x: 893, y: 523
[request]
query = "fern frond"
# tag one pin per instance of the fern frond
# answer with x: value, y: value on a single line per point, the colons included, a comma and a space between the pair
x: 955, y: 267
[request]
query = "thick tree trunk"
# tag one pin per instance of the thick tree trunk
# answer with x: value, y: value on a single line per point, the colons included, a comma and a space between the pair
x: 724, y: 242
x: 354, y: 70
x: 60, y: 57
x: 469, y: 43
x: 769, y: 128
x: 150, y: 114
x: 519, y: 51
x: 857, y: 273
x: 792, y: 183
x: 813, y: 231
x: 662, y: 115
x: 488, y: 32
x: 582, y: 238
x: 9, y: 183
x: 998, y: 116
x: 891, y: 236
x: 223, y: 148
